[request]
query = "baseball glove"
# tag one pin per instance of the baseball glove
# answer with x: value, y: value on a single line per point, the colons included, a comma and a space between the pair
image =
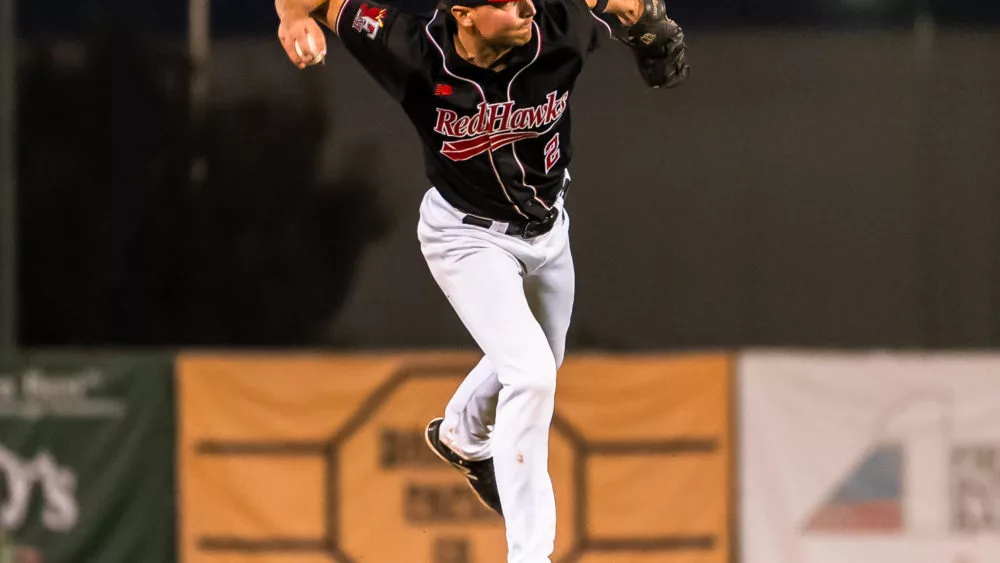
x: 657, y: 43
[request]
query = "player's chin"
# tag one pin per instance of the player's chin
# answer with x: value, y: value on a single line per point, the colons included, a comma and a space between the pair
x: 521, y: 37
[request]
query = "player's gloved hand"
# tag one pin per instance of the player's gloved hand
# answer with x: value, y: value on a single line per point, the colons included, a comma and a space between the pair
x: 657, y: 43
x: 303, y: 40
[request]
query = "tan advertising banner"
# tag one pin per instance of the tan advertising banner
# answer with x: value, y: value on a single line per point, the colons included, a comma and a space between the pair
x: 320, y: 458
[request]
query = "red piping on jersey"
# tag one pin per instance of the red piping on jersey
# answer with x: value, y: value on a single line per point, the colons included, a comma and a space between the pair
x: 444, y: 65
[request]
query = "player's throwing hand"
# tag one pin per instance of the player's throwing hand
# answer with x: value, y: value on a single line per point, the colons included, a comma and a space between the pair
x: 303, y: 40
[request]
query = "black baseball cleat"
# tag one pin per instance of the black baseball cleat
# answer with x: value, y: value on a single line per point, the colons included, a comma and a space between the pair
x: 482, y: 479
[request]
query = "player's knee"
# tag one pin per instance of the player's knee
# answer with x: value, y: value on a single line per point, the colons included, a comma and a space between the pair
x: 536, y: 376
x: 544, y: 386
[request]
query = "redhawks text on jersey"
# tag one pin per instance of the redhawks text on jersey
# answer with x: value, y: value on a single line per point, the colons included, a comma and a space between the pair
x: 495, y: 125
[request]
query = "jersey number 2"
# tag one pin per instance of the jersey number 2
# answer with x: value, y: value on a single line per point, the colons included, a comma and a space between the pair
x: 551, y: 152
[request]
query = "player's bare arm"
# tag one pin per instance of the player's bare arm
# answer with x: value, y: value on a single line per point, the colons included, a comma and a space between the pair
x: 628, y: 11
x: 299, y: 31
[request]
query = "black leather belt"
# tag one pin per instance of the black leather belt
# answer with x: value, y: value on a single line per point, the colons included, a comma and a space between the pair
x: 523, y: 229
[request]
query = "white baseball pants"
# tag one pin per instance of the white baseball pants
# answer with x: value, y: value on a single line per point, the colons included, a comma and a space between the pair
x: 515, y: 297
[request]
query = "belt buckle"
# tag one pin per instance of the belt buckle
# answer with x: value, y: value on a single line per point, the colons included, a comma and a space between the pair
x: 529, y: 230
x: 537, y: 227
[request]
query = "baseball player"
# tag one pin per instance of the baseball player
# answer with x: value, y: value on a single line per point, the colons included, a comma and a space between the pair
x: 486, y: 83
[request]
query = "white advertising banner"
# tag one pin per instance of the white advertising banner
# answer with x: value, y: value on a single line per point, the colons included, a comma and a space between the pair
x: 869, y: 458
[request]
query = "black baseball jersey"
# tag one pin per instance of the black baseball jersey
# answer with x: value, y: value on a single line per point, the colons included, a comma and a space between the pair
x: 496, y: 144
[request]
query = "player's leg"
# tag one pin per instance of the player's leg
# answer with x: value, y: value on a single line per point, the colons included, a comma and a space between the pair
x: 471, y: 413
x: 484, y: 285
x: 485, y: 289
x: 552, y: 288
x: 549, y: 287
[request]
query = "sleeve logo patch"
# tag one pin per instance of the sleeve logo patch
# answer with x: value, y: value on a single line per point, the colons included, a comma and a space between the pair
x: 369, y: 20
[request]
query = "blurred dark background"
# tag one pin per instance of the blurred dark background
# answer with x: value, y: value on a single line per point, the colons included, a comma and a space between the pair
x: 829, y: 177
x: 233, y: 17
